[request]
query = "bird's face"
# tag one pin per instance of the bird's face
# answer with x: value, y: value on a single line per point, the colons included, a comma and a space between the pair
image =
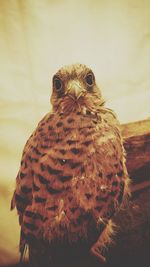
x: 75, y: 89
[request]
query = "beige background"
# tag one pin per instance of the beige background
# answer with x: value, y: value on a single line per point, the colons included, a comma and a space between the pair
x: 39, y: 36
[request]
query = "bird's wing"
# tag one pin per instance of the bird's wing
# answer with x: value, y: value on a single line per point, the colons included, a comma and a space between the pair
x: 22, y: 196
x: 111, y: 155
x: 115, y: 172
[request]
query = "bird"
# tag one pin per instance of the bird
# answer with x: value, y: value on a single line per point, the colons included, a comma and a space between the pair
x: 73, y: 176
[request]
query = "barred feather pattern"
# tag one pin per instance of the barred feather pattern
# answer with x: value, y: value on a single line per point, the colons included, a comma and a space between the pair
x: 72, y: 176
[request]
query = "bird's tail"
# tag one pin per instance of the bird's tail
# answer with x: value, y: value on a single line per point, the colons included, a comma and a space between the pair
x: 23, y: 247
x: 23, y: 253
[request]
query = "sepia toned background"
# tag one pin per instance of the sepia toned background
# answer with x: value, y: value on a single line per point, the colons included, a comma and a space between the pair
x: 39, y: 36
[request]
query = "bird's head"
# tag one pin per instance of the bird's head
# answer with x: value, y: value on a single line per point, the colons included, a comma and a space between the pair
x: 75, y: 89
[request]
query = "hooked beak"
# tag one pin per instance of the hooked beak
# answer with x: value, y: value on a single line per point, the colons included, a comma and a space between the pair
x: 75, y: 90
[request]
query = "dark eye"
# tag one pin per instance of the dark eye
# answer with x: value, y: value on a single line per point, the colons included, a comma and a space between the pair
x: 89, y: 79
x: 57, y: 83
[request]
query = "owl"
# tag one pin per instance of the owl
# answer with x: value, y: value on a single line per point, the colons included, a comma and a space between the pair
x: 72, y: 178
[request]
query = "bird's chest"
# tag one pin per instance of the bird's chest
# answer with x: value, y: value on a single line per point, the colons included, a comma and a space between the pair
x: 74, y: 139
x: 68, y: 147
x: 69, y: 137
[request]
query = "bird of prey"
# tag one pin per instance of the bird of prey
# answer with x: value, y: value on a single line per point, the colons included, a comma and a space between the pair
x: 72, y: 175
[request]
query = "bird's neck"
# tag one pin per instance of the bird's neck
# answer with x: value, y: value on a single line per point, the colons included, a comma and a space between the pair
x: 68, y: 107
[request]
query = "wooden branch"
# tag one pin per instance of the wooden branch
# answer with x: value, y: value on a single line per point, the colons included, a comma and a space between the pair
x: 137, y: 144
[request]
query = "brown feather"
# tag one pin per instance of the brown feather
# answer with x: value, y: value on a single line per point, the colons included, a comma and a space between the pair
x: 72, y: 175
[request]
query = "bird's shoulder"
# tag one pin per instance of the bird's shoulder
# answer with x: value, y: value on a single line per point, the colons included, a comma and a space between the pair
x: 109, y: 126
x: 38, y: 134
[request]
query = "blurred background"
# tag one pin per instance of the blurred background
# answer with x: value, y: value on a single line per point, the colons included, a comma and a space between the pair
x: 37, y: 37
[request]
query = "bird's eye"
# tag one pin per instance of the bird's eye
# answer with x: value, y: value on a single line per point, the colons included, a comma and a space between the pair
x: 89, y: 79
x: 57, y: 83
